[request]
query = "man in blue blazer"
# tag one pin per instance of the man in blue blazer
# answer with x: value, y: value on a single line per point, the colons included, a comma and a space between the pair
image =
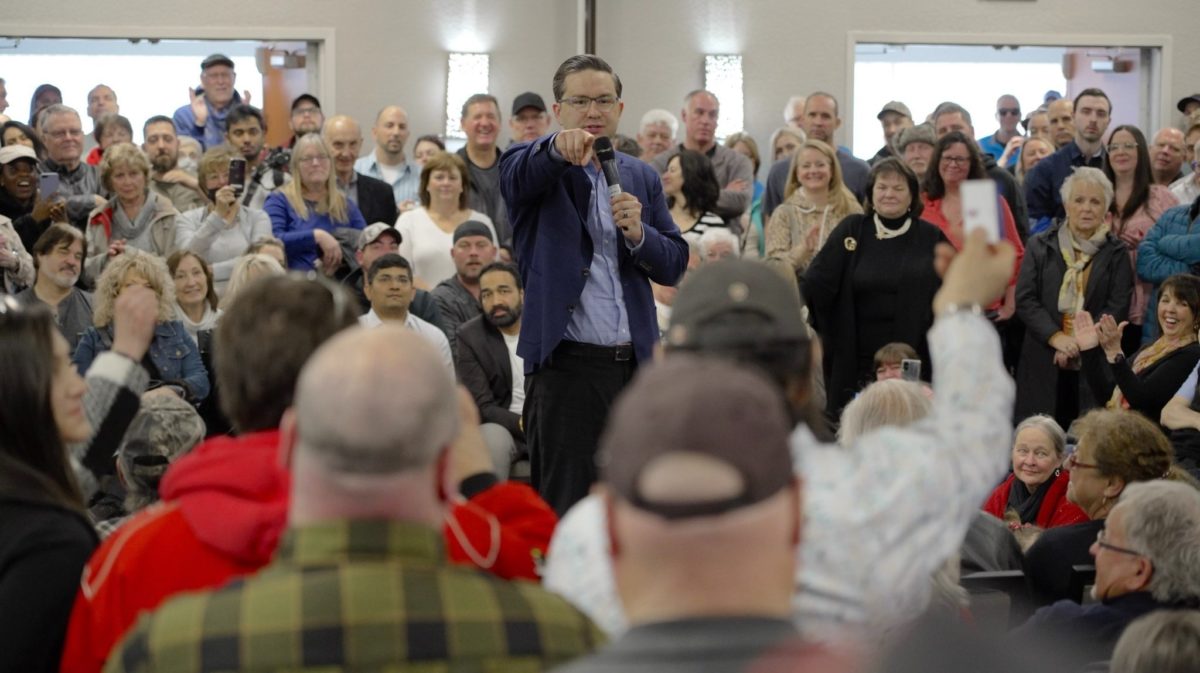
x: 586, y: 261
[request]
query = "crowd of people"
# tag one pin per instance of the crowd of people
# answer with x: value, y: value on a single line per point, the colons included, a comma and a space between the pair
x: 537, y: 404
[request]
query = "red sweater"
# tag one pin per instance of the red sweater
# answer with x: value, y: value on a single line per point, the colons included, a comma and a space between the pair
x: 1056, y: 510
x: 223, y: 511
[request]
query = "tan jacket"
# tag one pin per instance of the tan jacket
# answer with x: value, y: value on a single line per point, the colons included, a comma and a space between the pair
x: 99, y: 233
x: 14, y: 280
x: 787, y: 232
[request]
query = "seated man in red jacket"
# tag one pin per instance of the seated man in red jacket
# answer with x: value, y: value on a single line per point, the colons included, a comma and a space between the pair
x: 224, y: 506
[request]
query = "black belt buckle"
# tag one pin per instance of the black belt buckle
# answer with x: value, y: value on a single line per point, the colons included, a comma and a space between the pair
x: 623, y: 352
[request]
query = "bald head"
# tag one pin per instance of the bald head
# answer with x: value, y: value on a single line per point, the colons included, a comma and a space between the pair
x: 375, y: 402
x: 1166, y: 155
x: 390, y: 133
x: 343, y: 137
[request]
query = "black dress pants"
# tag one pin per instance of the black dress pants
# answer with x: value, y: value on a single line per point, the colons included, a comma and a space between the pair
x: 567, y: 401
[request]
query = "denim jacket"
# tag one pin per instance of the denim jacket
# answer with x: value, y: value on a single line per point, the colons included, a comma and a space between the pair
x: 172, y: 351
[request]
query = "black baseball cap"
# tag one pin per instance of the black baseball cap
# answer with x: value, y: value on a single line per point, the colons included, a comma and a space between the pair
x: 1194, y: 98
x: 528, y: 99
x: 305, y: 97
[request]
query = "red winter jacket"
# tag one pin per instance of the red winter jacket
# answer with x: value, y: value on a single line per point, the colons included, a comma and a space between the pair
x: 1056, y: 510
x: 223, y: 511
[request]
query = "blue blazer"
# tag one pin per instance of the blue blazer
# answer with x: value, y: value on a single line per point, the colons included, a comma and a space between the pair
x: 547, y: 203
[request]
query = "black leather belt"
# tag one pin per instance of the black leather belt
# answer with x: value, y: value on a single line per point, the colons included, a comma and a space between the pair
x: 618, y: 353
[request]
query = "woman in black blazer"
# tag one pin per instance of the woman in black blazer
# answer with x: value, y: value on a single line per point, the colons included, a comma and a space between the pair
x: 1147, y: 380
x: 1075, y: 265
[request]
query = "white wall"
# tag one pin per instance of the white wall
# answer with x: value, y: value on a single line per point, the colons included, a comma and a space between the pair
x: 389, y: 50
x: 792, y: 47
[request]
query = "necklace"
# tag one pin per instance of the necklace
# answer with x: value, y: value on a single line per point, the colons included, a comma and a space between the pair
x: 882, y: 232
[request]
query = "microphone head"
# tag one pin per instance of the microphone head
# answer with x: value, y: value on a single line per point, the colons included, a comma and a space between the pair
x: 604, y: 149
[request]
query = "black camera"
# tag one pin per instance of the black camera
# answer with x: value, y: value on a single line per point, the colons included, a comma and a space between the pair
x: 278, y: 159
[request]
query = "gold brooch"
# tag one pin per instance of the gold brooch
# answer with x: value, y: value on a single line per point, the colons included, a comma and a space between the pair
x: 850, y: 243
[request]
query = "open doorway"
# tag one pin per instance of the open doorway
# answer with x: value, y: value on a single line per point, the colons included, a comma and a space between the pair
x: 974, y: 76
x: 152, y: 76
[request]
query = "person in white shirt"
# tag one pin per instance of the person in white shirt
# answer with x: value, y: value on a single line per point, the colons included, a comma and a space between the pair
x: 390, y: 290
x: 882, y: 514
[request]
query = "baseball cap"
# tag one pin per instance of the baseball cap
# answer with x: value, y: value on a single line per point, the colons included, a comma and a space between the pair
x: 472, y: 228
x: 10, y: 153
x: 374, y: 231
x: 921, y: 133
x: 306, y: 97
x: 528, y: 99
x: 1194, y: 98
x: 216, y: 59
x: 737, y: 289
x: 695, y: 436
x: 894, y: 106
x: 164, y: 429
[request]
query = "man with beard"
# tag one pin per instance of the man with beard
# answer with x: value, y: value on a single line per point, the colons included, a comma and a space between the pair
x: 307, y: 117
x: 1092, y: 114
x: 58, y: 256
x: 246, y: 132
x: 388, y: 162
x: 458, y: 296
x: 487, y: 363
x: 161, y: 146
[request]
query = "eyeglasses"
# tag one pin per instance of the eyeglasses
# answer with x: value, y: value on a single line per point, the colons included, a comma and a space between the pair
x: 74, y: 133
x: 1073, y: 463
x: 582, y: 103
x: 1116, y: 147
x: 1009, y: 111
x: 313, y: 161
x: 956, y: 160
x: 1112, y: 547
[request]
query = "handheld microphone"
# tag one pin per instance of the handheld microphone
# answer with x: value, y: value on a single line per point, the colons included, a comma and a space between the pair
x: 608, y: 163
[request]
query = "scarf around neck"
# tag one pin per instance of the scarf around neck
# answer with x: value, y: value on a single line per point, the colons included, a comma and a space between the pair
x: 1077, y: 253
x: 131, y: 231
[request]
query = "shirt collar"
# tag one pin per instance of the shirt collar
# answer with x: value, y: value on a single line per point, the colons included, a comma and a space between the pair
x: 340, y: 541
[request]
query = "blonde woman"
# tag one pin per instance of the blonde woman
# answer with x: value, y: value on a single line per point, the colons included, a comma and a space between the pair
x: 250, y: 268
x: 815, y: 201
x: 173, y: 361
x: 307, y: 212
x: 135, y: 217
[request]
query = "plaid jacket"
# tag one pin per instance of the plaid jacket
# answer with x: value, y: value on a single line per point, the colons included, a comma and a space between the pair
x: 361, y: 595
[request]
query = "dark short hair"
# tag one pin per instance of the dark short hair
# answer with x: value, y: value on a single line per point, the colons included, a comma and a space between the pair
x: 893, y: 166
x: 1095, y: 92
x: 112, y: 119
x: 431, y: 138
x: 388, y: 261
x: 480, y: 98
x: 630, y: 146
x: 581, y: 63
x: 934, y: 186
x: 275, y: 323
x: 157, y: 119
x: 240, y: 113
x: 54, y: 235
x: 700, y: 186
x: 504, y: 267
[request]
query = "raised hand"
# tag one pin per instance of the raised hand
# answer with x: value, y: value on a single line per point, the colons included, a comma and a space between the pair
x: 199, y: 107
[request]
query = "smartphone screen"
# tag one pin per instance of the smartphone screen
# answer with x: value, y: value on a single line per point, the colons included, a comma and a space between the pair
x: 981, y: 209
x: 237, y: 174
x: 47, y: 185
x: 910, y: 370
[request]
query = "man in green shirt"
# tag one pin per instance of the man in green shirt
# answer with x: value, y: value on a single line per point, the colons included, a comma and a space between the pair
x: 361, y: 580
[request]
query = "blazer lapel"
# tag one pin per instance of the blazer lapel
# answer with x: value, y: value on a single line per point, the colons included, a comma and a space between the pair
x: 497, y: 349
